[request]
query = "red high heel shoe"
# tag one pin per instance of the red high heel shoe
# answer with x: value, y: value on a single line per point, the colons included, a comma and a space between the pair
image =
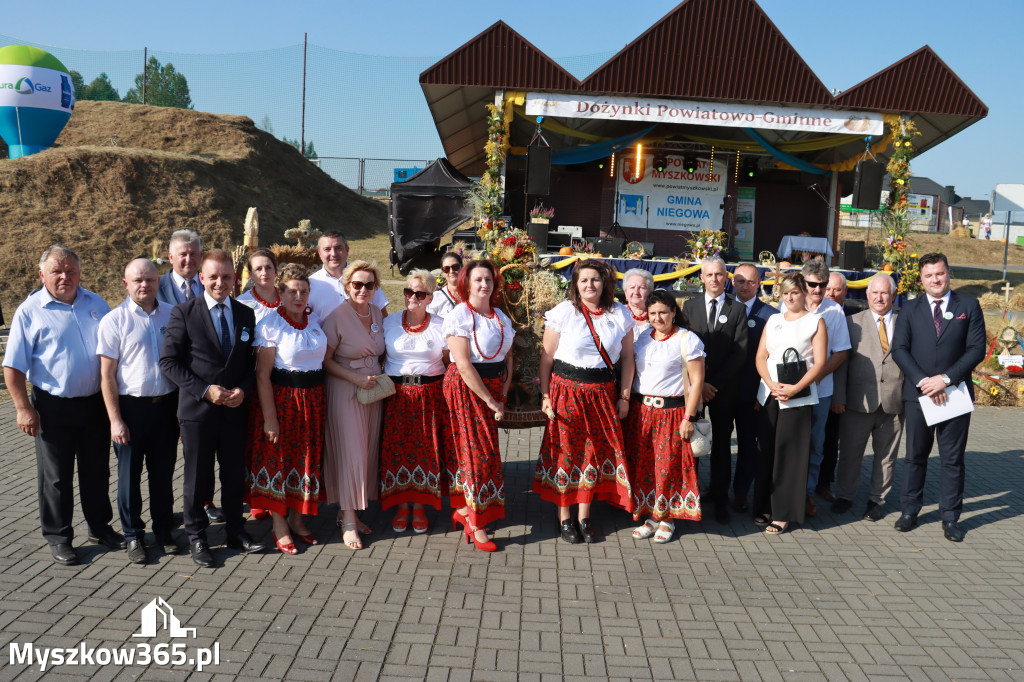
x: 283, y: 547
x: 458, y: 518
x: 488, y: 546
x: 308, y: 539
x: 401, y: 522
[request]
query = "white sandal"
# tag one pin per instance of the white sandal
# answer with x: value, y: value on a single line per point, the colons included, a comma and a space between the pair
x: 645, y: 531
x: 665, y: 532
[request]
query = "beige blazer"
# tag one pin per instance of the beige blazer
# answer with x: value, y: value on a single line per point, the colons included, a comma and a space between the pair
x: 869, y: 379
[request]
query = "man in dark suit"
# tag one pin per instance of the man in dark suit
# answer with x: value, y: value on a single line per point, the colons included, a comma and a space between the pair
x: 721, y: 323
x: 746, y: 280
x: 207, y: 352
x: 181, y: 283
x: 939, y: 338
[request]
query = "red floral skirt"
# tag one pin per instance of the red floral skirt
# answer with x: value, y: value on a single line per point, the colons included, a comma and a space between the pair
x: 286, y: 475
x: 582, y: 456
x: 479, y: 482
x: 412, y: 459
x: 661, y: 464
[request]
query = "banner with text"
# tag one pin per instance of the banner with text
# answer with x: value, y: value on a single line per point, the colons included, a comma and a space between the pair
x: 731, y: 114
x: 744, y: 241
x: 671, y: 199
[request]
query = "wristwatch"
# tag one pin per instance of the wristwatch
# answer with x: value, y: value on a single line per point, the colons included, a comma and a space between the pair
x: 946, y: 380
x: 691, y: 418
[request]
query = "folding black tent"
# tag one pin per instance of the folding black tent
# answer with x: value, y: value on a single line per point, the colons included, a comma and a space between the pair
x: 423, y: 209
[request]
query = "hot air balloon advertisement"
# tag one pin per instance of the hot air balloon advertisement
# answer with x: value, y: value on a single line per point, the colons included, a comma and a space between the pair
x: 36, y: 99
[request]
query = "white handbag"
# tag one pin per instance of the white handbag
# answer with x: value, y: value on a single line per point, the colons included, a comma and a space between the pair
x: 700, y: 441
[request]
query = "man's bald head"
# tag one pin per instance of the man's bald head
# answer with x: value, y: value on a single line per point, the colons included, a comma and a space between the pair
x: 141, y: 280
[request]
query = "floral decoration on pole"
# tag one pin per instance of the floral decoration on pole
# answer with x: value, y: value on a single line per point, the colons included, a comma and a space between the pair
x: 896, y: 251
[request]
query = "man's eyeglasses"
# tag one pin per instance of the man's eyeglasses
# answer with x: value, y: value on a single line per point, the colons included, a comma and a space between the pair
x: 450, y: 268
x: 420, y: 295
x: 816, y: 285
x: 369, y: 286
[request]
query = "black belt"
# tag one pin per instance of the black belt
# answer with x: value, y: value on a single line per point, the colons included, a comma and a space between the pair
x: 490, y: 370
x: 586, y: 375
x: 152, y: 398
x: 659, y: 401
x: 416, y: 379
x: 81, y: 398
x: 293, y: 379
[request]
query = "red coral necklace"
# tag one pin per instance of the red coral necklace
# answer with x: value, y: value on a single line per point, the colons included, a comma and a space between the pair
x: 296, y: 325
x: 259, y: 299
x: 418, y: 328
x: 493, y: 315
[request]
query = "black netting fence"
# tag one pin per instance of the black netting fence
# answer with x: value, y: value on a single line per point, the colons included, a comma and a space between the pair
x: 365, y: 116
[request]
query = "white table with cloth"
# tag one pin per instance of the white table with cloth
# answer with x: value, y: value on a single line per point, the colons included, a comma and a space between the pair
x: 794, y: 242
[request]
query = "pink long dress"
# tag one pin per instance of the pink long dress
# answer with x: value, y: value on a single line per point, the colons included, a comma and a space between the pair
x: 352, y: 435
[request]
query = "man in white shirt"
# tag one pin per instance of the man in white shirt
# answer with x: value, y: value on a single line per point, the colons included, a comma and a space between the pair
x: 869, y: 397
x: 182, y: 282
x: 816, y: 275
x: 326, y: 292
x: 141, y: 404
x: 835, y: 291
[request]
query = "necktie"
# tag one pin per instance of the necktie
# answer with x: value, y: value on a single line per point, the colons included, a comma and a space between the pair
x: 225, y: 337
x: 186, y: 288
x: 938, y: 317
x: 711, y: 316
x: 883, y: 336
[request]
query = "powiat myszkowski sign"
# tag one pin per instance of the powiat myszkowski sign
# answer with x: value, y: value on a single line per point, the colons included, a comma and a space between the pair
x: 670, y: 199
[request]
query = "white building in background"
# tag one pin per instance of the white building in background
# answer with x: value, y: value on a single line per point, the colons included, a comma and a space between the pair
x: 1008, y: 198
x: 933, y: 208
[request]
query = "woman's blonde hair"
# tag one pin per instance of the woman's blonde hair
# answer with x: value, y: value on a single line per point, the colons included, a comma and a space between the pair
x: 793, y: 280
x: 360, y: 266
x: 423, y: 277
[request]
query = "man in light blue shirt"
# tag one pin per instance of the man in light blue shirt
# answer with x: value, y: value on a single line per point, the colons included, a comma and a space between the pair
x: 52, y: 344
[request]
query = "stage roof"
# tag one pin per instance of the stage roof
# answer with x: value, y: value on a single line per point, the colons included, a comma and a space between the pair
x: 703, y: 50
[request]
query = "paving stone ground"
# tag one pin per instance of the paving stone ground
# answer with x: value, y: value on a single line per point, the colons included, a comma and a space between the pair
x: 839, y: 598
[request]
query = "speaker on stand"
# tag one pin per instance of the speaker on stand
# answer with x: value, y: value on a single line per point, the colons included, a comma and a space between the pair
x: 538, y: 170
x: 867, y: 185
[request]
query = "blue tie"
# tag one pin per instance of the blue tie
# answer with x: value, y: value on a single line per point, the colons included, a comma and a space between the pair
x: 225, y: 337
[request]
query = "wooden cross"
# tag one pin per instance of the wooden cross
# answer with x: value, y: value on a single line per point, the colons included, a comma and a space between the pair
x: 1007, y: 289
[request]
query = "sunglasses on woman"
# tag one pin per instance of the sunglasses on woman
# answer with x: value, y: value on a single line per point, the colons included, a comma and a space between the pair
x: 450, y: 268
x: 369, y: 286
x: 420, y: 295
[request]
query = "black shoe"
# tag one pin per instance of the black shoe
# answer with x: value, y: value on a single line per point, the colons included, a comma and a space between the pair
x: 952, y: 531
x: 201, y: 553
x: 64, y: 554
x: 570, y: 533
x: 109, y: 538
x: 169, y: 544
x: 721, y: 512
x: 587, y: 531
x: 215, y: 515
x: 905, y: 522
x: 874, y: 512
x: 841, y: 506
x: 825, y: 493
x: 245, y: 543
x: 137, y: 552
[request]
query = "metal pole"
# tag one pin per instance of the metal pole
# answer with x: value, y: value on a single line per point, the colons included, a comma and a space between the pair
x: 1006, y: 244
x: 362, y: 164
x: 302, y: 135
x: 145, y: 72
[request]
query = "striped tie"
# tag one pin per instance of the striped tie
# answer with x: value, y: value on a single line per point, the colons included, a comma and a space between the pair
x: 938, y: 317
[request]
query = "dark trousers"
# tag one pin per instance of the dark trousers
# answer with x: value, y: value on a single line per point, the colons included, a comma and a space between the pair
x: 721, y: 413
x: 153, y: 441
x: 220, y: 437
x: 71, y: 428
x: 827, y: 473
x: 746, y: 447
x: 952, y: 438
x: 784, y: 440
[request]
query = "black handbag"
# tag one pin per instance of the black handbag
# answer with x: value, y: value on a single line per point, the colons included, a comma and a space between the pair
x: 792, y: 371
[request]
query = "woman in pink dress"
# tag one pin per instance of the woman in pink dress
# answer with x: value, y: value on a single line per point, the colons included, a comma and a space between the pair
x: 355, y: 344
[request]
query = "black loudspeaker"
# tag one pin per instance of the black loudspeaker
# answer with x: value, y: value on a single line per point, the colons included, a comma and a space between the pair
x: 851, y: 255
x: 867, y: 185
x: 610, y: 246
x: 538, y: 232
x: 538, y: 170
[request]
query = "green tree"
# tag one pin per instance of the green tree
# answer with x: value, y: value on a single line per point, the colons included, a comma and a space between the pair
x: 164, y: 87
x: 79, y: 84
x: 308, y: 152
x: 100, y: 89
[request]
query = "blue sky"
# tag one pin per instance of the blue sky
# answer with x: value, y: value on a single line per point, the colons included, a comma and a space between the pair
x: 843, y: 43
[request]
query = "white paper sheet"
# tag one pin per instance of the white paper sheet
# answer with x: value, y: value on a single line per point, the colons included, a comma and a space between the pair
x: 958, y: 402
